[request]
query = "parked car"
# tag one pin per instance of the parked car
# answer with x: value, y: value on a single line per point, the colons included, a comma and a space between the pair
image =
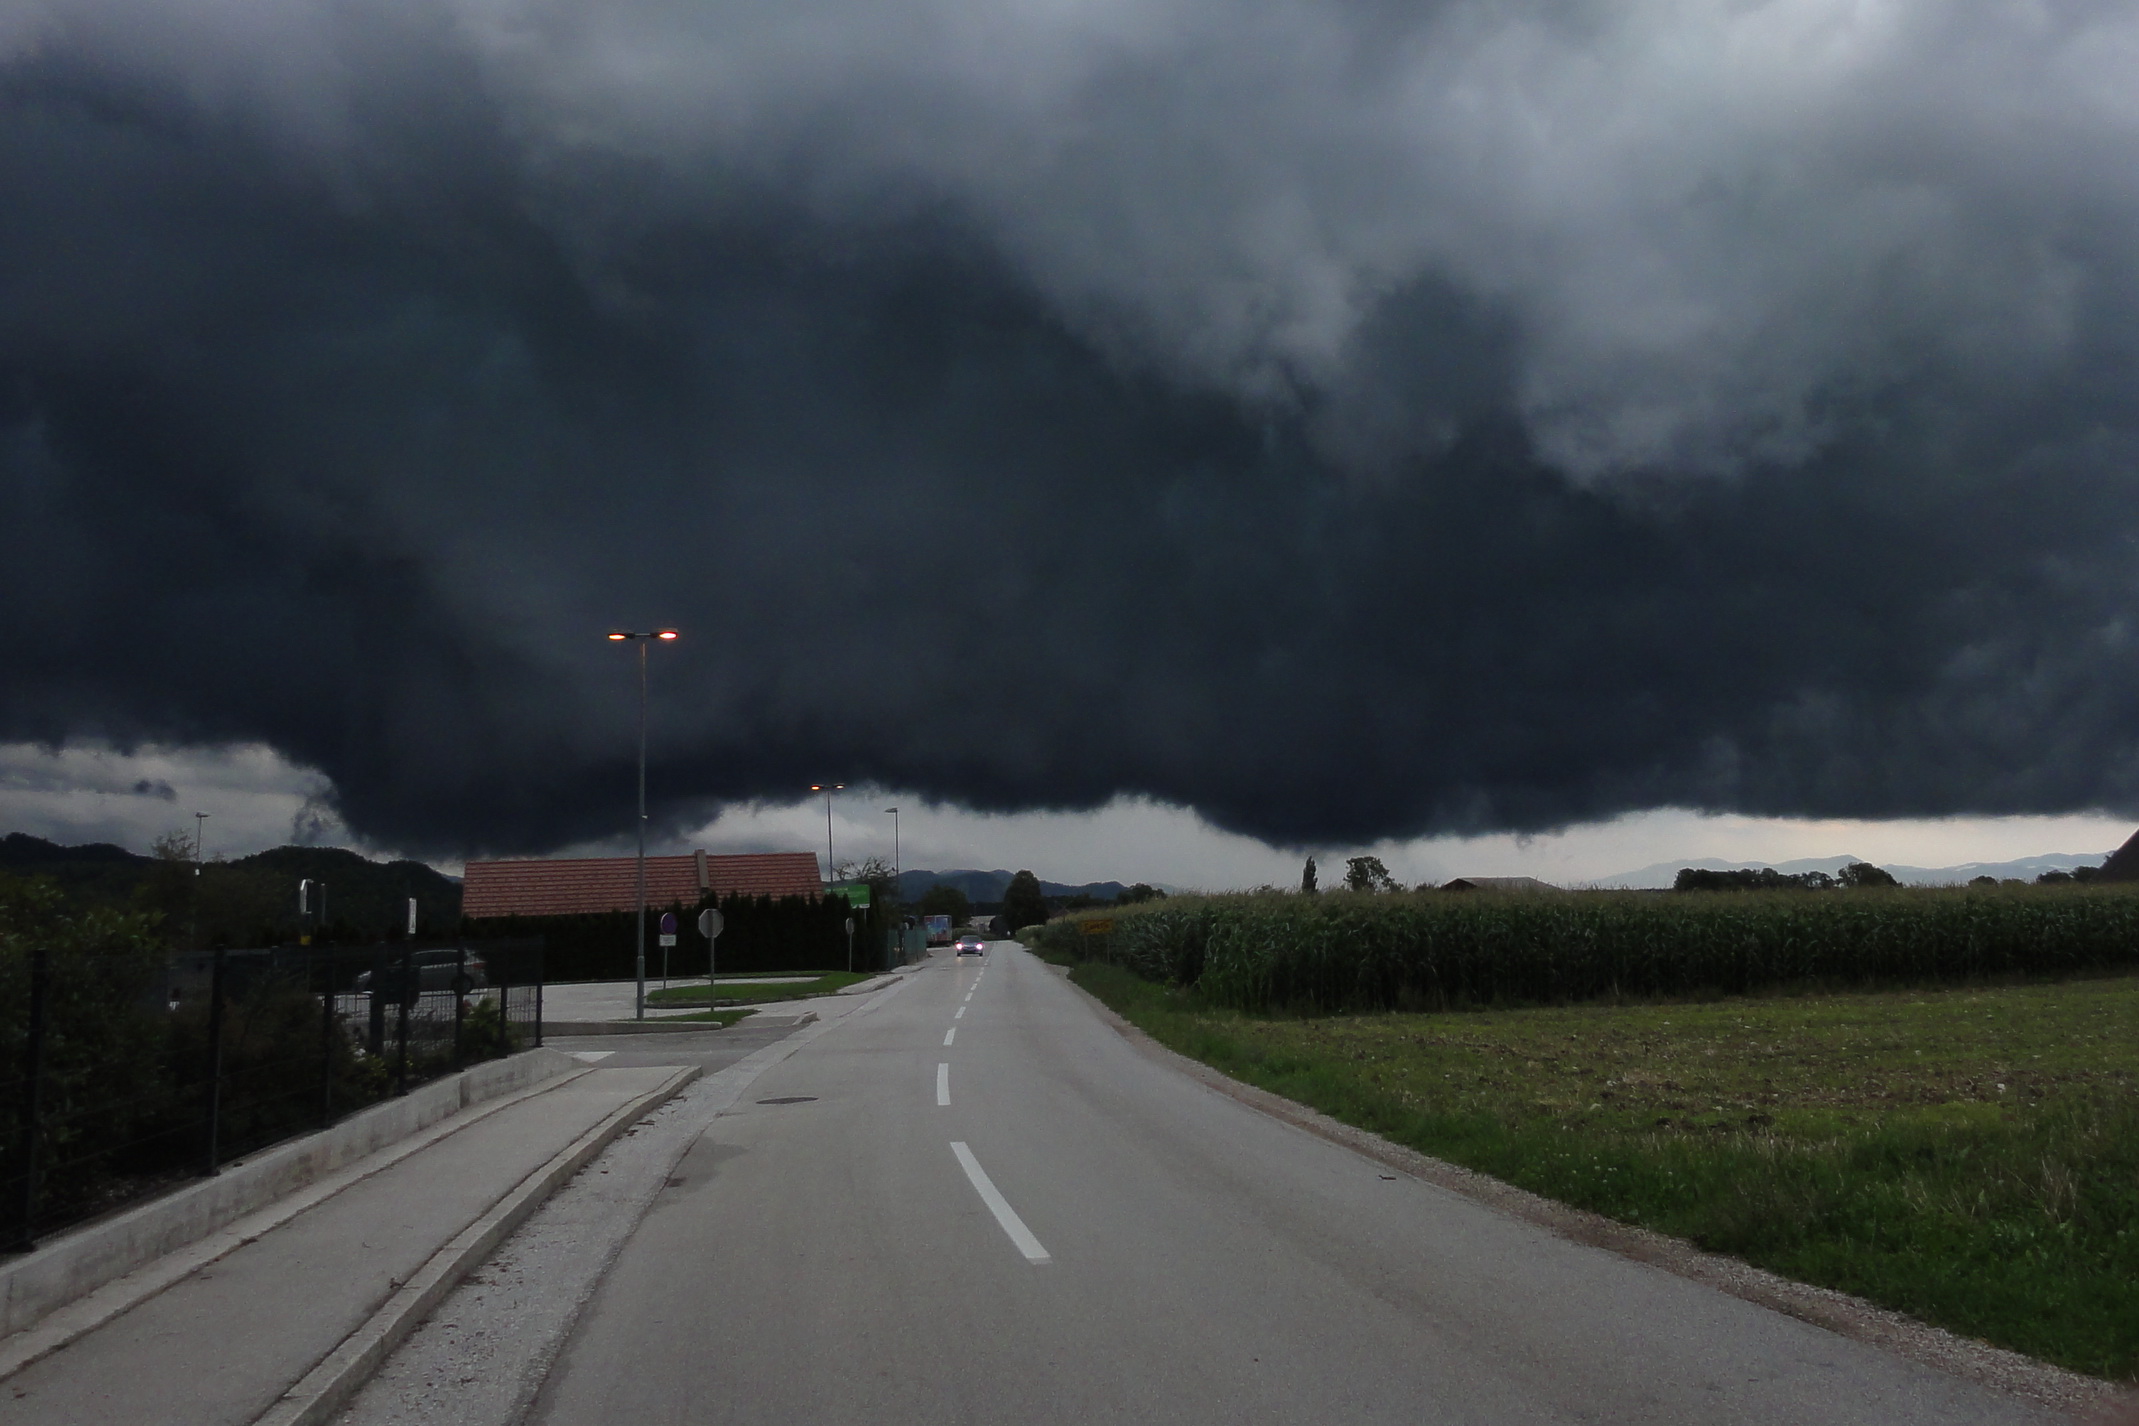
x: 434, y: 970
x: 970, y: 943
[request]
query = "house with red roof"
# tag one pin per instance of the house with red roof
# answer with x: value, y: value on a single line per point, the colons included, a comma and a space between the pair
x: 572, y: 886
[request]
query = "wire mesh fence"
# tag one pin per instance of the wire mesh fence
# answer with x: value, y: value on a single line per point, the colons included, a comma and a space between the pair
x: 124, y: 1073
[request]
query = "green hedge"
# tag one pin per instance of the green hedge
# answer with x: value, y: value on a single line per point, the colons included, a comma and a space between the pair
x: 761, y: 934
x: 1437, y: 950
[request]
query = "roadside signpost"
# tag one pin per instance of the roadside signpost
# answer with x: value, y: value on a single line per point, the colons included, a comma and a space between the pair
x: 850, y: 945
x: 668, y: 939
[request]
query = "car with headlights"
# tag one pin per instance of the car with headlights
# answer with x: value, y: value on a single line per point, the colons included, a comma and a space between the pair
x: 970, y: 944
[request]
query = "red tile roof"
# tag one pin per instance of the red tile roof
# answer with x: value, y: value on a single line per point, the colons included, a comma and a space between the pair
x: 575, y: 885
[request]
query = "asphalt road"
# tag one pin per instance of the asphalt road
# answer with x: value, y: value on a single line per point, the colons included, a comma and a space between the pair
x: 1030, y: 1221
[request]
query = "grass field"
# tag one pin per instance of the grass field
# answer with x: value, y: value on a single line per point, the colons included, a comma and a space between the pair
x: 732, y: 993
x: 1969, y: 1156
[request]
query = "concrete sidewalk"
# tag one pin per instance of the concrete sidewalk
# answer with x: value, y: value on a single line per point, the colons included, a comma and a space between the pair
x: 305, y: 1302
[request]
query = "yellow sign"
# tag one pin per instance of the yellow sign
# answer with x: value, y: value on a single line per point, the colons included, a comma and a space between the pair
x: 1098, y: 928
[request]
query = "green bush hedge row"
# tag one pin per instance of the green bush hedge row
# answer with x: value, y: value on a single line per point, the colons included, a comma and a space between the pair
x: 1439, y: 950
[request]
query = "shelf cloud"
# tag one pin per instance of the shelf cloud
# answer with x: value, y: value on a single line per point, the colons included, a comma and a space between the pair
x: 1347, y: 419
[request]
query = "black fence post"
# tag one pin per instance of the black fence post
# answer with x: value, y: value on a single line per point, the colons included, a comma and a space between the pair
x: 33, y: 1074
x: 404, y: 991
x: 460, y: 1000
x: 215, y: 1065
x: 326, y: 1039
x: 540, y: 979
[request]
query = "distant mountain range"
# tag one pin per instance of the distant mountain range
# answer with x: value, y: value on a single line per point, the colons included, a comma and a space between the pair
x: 2025, y: 869
x: 987, y: 887
x: 258, y: 892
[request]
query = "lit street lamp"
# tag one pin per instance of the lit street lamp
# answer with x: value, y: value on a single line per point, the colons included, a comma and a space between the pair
x: 626, y: 636
x: 828, y: 789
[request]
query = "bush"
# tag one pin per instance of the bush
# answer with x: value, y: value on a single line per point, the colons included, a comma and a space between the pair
x: 1379, y: 952
x: 760, y: 934
x: 104, y: 1041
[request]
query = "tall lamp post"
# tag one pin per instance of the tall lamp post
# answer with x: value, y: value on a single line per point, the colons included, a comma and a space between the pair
x: 828, y: 789
x: 200, y: 834
x: 623, y: 636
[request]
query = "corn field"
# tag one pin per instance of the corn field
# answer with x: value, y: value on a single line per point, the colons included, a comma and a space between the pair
x: 1438, y: 950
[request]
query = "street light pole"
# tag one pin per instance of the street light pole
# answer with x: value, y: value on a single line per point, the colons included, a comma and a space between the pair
x: 640, y: 941
x: 639, y: 958
x: 897, y: 870
x: 830, y: 875
x: 200, y: 831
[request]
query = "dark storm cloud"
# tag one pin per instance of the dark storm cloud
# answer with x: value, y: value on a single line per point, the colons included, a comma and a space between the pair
x: 1349, y: 420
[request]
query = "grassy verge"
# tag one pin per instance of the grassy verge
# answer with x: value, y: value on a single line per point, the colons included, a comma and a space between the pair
x: 734, y: 994
x: 1967, y: 1156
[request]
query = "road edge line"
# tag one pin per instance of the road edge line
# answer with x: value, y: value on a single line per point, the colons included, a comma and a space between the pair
x: 1997, y: 1368
x: 324, y: 1389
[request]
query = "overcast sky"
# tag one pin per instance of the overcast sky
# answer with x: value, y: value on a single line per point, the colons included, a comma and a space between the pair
x: 1353, y: 423
x: 256, y: 800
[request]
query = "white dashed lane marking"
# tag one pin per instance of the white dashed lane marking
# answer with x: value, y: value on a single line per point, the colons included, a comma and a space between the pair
x: 1000, y: 1207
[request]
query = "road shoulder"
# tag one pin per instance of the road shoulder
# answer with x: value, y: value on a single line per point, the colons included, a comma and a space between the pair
x: 1838, y: 1312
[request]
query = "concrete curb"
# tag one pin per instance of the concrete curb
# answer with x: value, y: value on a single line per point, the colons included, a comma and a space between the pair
x: 323, y: 1390
x: 1995, y: 1367
x: 564, y: 1028
x: 79, y: 1263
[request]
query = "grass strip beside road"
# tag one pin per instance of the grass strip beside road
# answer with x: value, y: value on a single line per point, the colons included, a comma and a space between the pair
x: 1967, y: 1156
x: 828, y: 983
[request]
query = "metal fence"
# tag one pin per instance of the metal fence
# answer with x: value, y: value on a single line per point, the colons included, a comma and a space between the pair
x: 903, y: 944
x: 122, y: 1074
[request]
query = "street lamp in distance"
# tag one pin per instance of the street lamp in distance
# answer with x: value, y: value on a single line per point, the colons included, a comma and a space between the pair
x: 897, y: 870
x: 621, y: 636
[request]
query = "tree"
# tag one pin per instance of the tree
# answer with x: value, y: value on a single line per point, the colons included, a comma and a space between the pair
x: 1307, y: 878
x: 1140, y: 892
x: 1368, y: 874
x: 1765, y: 878
x: 944, y: 899
x: 1023, y: 902
x: 1858, y: 874
x: 883, y: 886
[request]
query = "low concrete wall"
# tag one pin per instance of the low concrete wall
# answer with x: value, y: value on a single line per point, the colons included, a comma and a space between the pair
x: 80, y: 1262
